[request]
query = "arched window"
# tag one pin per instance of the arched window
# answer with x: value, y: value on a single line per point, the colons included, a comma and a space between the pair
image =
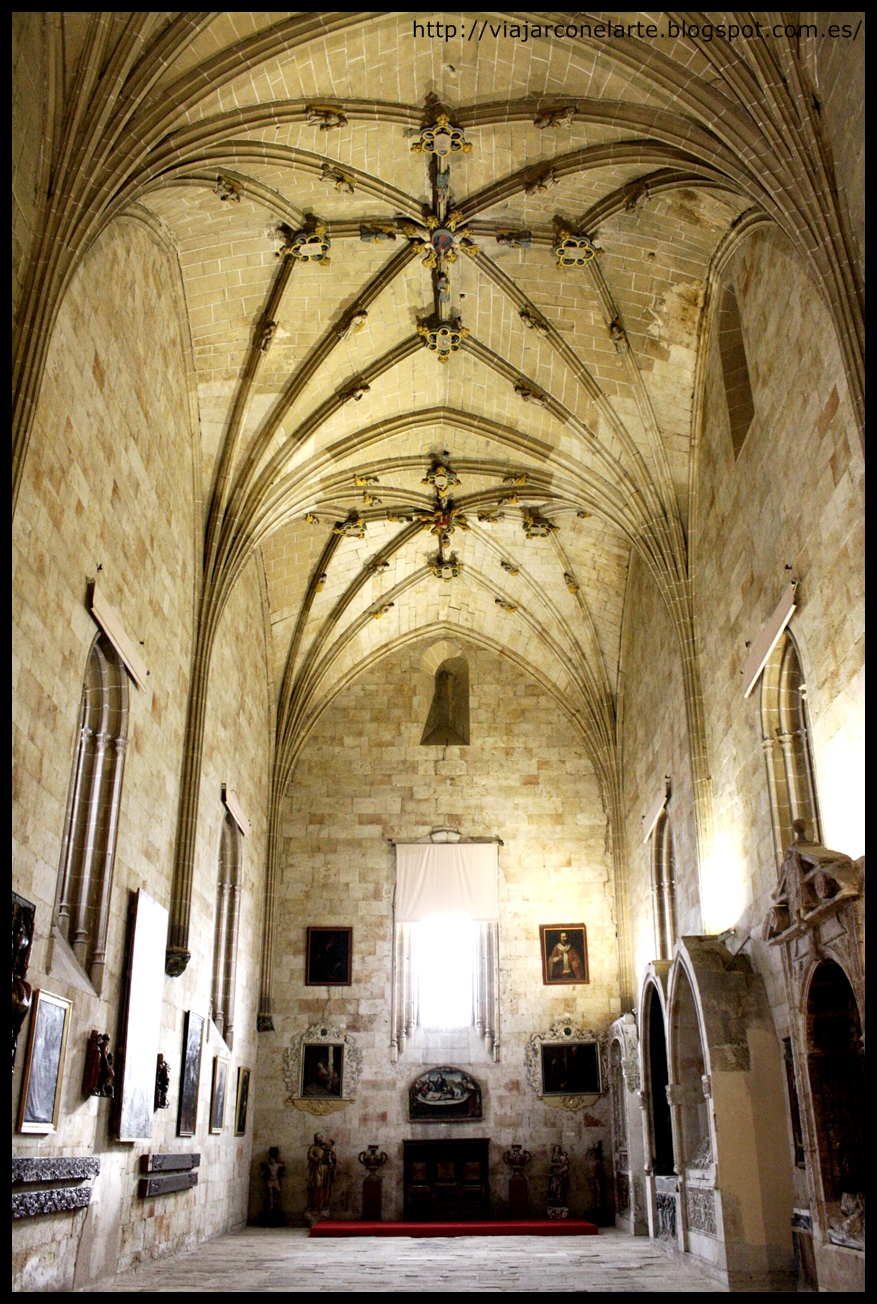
x: 228, y: 909
x: 89, y: 845
x: 735, y: 372
x: 786, y: 741
x: 448, y: 722
x: 663, y: 887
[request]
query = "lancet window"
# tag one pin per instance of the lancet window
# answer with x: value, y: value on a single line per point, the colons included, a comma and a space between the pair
x: 786, y: 742
x: 89, y: 843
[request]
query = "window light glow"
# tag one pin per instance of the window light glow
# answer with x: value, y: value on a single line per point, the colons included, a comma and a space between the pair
x: 444, y: 951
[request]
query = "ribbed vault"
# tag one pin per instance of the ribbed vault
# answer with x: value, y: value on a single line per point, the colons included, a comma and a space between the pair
x: 276, y: 150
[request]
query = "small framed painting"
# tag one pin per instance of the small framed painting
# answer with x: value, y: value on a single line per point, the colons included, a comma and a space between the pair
x: 322, y: 1070
x: 218, y: 1093
x: 564, y: 954
x: 44, y: 1066
x: 329, y: 957
x: 241, y: 1103
x: 190, y: 1076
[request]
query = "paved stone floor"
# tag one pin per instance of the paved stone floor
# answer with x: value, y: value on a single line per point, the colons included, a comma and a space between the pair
x: 282, y: 1259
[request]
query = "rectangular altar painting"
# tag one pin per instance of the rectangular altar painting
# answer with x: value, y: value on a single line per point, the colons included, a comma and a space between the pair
x: 564, y: 954
x: 322, y: 1070
x: 329, y: 957
x: 570, y: 1068
x: 218, y: 1093
x: 242, y: 1102
x: 190, y: 1074
x: 44, y: 1066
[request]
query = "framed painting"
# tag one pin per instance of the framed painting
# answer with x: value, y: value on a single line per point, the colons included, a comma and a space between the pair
x: 444, y: 1095
x: 44, y: 1066
x: 564, y: 954
x: 218, y: 1093
x: 570, y: 1068
x: 329, y: 957
x: 190, y: 1074
x: 322, y: 1070
x: 241, y: 1102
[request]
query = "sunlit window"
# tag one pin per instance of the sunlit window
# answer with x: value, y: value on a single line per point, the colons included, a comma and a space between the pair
x: 444, y: 955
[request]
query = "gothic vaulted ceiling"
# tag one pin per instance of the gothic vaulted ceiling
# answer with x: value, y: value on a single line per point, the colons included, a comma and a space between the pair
x: 444, y: 300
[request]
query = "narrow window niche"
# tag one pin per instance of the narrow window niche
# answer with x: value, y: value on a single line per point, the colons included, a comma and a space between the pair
x: 735, y: 371
x: 447, y: 724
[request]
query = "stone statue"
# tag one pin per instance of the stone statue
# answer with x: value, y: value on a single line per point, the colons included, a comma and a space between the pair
x: 99, y: 1075
x: 342, y: 181
x: 22, y: 992
x: 229, y: 191
x: 352, y: 324
x: 849, y: 1228
x: 322, y: 1162
x: 555, y: 117
x: 162, y: 1083
x: 324, y: 117
x: 595, y: 1173
x: 272, y: 1171
x: 558, y: 1182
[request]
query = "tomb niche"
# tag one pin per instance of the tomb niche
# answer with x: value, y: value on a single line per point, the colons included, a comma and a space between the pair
x: 660, y: 1182
x: 447, y: 724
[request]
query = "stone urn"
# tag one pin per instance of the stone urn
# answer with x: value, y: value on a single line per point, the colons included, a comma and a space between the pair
x: 373, y: 1160
x: 517, y: 1159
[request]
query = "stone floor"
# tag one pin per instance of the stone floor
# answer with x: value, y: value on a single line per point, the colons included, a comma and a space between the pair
x: 281, y: 1259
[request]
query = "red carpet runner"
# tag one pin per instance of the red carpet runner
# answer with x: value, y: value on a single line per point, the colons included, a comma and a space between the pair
x: 528, y: 1227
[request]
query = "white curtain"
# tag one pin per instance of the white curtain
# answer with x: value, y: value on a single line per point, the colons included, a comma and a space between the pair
x: 440, y: 879
x: 456, y: 878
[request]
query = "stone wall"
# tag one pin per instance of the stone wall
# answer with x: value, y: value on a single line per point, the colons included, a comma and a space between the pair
x: 362, y: 780
x: 109, y: 491
x: 654, y: 744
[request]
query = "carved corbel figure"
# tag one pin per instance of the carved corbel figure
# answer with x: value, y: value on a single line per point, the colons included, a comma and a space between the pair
x: 376, y: 234
x: 531, y: 395
x: 533, y: 322
x: 555, y: 117
x: 541, y: 181
x: 267, y: 331
x: 515, y: 239
x: 619, y: 336
x: 342, y: 181
x: 325, y: 116
x: 229, y: 191
x: 506, y: 606
x: 352, y: 324
x: 570, y: 582
x: 509, y: 567
x: 354, y: 391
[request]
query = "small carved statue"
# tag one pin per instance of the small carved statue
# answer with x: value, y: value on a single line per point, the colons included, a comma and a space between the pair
x: 531, y: 395
x: 376, y: 234
x: 266, y: 335
x: 558, y: 1178
x: 515, y: 239
x: 443, y: 286
x: 555, y: 117
x: 324, y: 117
x: 619, y: 336
x: 517, y: 1159
x: 352, y: 325
x: 229, y: 191
x: 595, y: 1173
x: 342, y: 181
x: 354, y: 392
x: 22, y: 992
x: 162, y: 1083
x: 373, y: 1161
x: 533, y: 323
x: 538, y: 185
x: 99, y: 1075
x: 849, y: 1228
x: 322, y: 1162
x: 272, y: 1172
